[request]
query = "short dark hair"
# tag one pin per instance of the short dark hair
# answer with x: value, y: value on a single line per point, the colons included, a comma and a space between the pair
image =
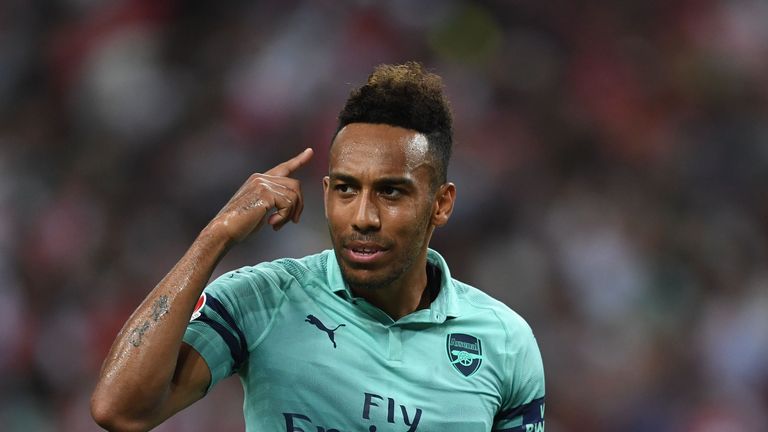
x: 406, y: 96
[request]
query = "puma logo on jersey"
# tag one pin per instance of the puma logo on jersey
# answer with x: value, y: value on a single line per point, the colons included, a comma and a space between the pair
x: 319, y: 324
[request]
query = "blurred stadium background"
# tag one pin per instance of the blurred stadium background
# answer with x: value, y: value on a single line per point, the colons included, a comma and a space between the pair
x: 611, y: 159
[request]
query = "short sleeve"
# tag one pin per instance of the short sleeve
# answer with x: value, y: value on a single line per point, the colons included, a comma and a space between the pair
x: 523, y: 411
x: 232, y: 315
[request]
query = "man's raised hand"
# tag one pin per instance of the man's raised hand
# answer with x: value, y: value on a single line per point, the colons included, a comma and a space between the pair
x: 250, y: 207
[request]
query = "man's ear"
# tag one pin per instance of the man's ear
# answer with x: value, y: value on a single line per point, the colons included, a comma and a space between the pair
x: 446, y: 196
x: 326, y: 183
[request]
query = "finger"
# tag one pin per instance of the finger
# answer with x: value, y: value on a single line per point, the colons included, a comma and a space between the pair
x: 285, y: 204
x: 288, y: 167
x: 292, y: 189
x: 299, y: 204
x: 277, y: 221
x: 299, y: 207
x: 279, y: 218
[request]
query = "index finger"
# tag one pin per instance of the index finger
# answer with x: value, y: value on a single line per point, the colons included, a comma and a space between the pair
x: 286, y: 168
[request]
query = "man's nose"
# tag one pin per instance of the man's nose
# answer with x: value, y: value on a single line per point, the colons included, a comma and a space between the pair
x: 366, y: 214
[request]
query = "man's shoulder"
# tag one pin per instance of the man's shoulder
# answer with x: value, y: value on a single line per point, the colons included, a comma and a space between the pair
x: 474, y: 300
x: 299, y: 268
x: 278, y: 274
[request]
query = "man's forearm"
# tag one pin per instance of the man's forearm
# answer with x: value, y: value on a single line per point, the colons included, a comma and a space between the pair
x: 137, y: 372
x: 147, y: 376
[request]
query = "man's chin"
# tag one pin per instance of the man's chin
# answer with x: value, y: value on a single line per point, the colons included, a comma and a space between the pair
x: 364, y: 279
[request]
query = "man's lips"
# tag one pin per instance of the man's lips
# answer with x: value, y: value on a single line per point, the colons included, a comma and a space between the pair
x: 363, y: 252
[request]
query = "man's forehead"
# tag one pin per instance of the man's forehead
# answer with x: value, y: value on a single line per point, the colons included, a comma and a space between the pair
x: 362, y: 141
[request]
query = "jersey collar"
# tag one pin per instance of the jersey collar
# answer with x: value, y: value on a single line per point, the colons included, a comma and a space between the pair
x: 445, y: 306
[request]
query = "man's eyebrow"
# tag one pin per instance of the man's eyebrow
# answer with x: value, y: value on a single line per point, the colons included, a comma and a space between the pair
x: 346, y: 178
x: 391, y: 180
x: 394, y: 181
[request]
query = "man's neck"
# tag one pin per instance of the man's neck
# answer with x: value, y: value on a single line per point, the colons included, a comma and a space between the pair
x: 401, y: 298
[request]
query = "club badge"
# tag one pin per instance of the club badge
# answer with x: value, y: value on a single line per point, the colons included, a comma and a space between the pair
x: 464, y: 352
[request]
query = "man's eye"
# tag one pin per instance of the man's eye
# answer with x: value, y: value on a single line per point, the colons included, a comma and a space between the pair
x: 343, y: 188
x: 390, y: 192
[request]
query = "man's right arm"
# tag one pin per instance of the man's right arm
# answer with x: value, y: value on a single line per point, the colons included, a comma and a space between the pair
x: 149, y: 373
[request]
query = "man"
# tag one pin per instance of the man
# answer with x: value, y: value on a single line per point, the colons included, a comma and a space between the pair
x: 374, y: 335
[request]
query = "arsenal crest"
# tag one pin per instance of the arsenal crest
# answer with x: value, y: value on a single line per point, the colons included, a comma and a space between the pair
x: 464, y: 352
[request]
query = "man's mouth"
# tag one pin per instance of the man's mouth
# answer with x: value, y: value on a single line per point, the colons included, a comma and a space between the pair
x: 363, y: 252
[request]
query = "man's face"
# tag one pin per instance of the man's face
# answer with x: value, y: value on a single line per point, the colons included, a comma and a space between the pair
x: 379, y: 202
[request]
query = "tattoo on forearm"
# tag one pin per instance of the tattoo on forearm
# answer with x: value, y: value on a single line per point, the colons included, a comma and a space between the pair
x: 160, y: 307
x: 138, y: 333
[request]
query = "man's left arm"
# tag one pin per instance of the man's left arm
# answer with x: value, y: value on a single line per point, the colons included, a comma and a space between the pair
x: 523, y: 410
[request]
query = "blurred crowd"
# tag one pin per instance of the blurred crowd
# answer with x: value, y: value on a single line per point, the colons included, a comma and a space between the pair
x: 611, y: 159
